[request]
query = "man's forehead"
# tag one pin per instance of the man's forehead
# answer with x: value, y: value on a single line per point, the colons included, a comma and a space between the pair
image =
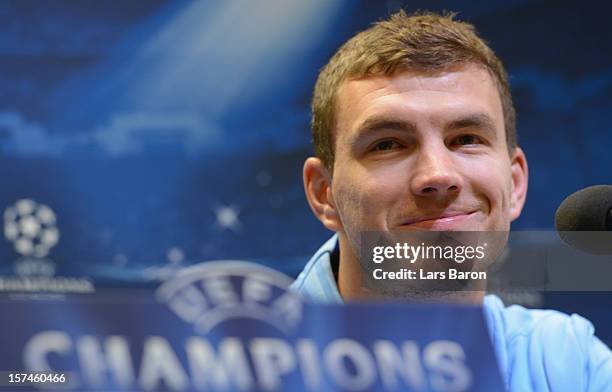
x: 418, y: 78
x: 356, y: 98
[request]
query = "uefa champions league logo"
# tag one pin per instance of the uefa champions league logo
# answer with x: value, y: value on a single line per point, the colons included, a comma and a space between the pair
x: 214, y: 292
x: 31, y: 228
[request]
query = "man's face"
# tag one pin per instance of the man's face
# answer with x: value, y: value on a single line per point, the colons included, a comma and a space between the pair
x: 421, y: 152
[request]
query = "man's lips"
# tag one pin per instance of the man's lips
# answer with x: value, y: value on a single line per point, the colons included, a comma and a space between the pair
x: 440, y: 219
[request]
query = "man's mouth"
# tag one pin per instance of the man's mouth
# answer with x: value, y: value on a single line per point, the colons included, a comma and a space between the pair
x: 444, y: 221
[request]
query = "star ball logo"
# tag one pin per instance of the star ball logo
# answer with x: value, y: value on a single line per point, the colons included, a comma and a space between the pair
x: 214, y: 292
x: 31, y: 227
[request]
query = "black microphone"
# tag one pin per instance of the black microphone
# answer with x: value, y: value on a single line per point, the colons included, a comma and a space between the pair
x: 588, y: 210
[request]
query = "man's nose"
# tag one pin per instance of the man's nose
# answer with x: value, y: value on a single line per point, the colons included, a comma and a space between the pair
x: 435, y: 175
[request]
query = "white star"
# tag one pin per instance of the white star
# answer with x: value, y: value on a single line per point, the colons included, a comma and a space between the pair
x: 25, y: 206
x: 263, y: 178
x: 45, y: 215
x: 227, y: 217
x: 29, y: 226
x: 175, y: 255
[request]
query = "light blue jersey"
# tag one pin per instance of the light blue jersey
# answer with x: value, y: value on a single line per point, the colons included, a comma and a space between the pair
x: 537, y: 350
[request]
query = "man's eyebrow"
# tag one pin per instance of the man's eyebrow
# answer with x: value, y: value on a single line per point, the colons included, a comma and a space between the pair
x: 476, y: 120
x: 389, y: 123
x: 374, y: 124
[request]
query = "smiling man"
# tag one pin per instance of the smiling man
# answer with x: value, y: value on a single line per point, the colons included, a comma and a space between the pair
x: 414, y: 129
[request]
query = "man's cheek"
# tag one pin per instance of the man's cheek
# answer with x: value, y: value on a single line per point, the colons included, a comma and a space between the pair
x: 357, y: 209
x: 347, y: 202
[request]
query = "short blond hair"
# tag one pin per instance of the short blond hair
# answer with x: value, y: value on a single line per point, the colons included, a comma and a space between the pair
x: 424, y: 42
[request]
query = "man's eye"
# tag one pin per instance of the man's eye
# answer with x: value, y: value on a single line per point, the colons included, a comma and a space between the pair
x: 465, y: 140
x: 386, y: 145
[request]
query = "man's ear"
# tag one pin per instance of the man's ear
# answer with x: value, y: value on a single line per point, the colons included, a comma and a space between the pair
x: 318, y: 189
x: 520, y: 177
